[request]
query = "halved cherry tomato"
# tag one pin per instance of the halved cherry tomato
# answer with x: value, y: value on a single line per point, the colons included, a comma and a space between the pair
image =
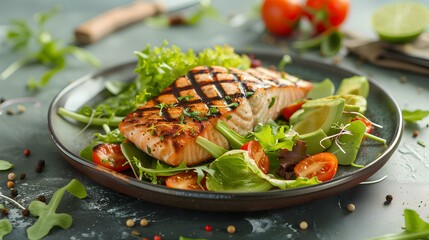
x: 323, y: 165
x: 281, y: 16
x: 367, y: 123
x: 288, y: 111
x: 326, y: 14
x: 110, y: 155
x: 187, y: 180
x: 256, y: 152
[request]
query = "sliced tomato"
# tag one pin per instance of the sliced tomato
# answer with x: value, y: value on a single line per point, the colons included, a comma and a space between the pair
x: 322, y: 165
x: 281, y: 16
x: 326, y: 14
x: 110, y: 155
x: 187, y: 180
x: 256, y: 152
x: 288, y: 111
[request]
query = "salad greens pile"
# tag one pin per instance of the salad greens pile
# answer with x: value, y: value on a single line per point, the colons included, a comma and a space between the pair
x: 156, y: 69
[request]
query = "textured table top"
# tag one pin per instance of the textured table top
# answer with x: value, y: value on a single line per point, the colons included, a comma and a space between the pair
x: 103, y: 213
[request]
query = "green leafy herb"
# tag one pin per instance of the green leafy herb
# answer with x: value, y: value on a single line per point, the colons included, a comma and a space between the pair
x: 5, y: 165
x: 415, y: 228
x: 193, y: 114
x: 421, y: 143
x: 185, y: 97
x: 50, y: 53
x: 206, y: 10
x: 161, y: 107
x: 5, y: 228
x: 414, y: 116
x: 329, y: 43
x: 273, y: 100
x: 235, y: 140
x: 273, y: 138
x: 46, y: 213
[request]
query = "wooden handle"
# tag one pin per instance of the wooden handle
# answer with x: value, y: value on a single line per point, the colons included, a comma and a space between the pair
x: 102, y: 25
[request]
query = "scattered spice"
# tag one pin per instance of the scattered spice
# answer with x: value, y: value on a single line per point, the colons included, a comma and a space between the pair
x: 157, y: 237
x: 10, y: 184
x: 303, y: 225
x: 26, y: 152
x: 231, y: 229
x: 415, y: 133
x: 21, y: 108
x: 13, y: 193
x: 25, y: 212
x: 2, y: 100
x: 22, y: 176
x: 130, y: 222
x: 4, y: 211
x: 389, y: 198
x: 11, y: 176
x: 144, y: 222
x: 10, y: 112
x: 208, y: 228
x: 41, y: 198
x: 40, y: 165
x: 351, y: 207
x: 403, y: 79
x: 135, y: 233
x: 176, y: 20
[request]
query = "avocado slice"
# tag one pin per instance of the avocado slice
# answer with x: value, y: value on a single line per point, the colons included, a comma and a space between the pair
x: 312, y: 140
x: 356, y: 85
x: 351, y: 99
x: 322, y: 89
x: 317, y: 114
x: 349, y: 114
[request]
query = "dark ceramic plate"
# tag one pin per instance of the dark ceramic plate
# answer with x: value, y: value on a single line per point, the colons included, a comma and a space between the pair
x: 69, y: 139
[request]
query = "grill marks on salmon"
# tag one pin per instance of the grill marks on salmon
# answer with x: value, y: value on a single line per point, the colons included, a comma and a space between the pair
x: 167, y: 126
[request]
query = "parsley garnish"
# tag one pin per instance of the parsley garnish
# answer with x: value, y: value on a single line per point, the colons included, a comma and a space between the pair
x: 194, y: 114
x: 185, y: 97
x: 161, y: 107
x: 273, y: 100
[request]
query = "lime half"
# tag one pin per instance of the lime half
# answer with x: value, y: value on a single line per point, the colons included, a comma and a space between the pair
x: 401, y: 21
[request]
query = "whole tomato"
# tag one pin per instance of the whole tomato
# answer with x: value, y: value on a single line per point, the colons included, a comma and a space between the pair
x: 326, y: 14
x: 281, y: 16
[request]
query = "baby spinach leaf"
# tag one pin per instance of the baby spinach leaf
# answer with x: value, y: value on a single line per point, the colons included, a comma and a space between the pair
x: 414, y: 116
x: 5, y: 228
x: 415, y: 228
x: 5, y: 165
x: 46, y: 213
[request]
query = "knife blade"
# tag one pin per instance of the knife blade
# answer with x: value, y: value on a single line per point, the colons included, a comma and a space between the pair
x: 120, y: 17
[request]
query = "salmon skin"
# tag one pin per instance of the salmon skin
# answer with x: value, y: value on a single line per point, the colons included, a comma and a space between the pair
x: 167, y: 126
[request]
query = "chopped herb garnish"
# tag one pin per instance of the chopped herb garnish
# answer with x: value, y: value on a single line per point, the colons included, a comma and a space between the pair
x: 249, y: 94
x: 232, y: 105
x: 227, y: 98
x: 161, y: 107
x: 273, y: 100
x: 421, y: 143
x: 185, y: 97
x: 228, y: 117
x: 212, y: 111
x: 194, y: 114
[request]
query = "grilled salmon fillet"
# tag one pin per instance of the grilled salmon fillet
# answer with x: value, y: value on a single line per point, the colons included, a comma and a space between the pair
x: 167, y: 126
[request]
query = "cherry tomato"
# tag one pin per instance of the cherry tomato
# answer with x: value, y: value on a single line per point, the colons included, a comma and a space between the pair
x: 110, y: 155
x: 187, y: 180
x: 323, y: 165
x: 367, y: 123
x: 256, y: 152
x: 288, y: 111
x: 281, y: 16
x: 326, y: 14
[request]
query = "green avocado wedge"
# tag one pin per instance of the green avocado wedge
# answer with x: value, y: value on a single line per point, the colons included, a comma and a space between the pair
x: 356, y: 85
x: 317, y: 114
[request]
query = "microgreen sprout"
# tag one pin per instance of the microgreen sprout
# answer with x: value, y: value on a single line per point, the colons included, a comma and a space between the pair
x: 11, y: 200
x: 364, y: 117
x: 343, y: 131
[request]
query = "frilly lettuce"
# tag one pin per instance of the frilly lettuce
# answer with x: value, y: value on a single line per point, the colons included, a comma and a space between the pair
x: 235, y: 171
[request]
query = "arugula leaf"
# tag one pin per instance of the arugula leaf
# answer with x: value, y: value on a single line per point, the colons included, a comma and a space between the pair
x: 5, y: 165
x: 5, y: 228
x: 46, y: 213
x: 414, y: 116
x: 415, y: 228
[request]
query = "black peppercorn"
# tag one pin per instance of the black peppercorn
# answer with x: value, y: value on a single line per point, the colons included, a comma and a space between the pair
x: 389, y: 198
x: 25, y: 212
x: 40, y: 165
x: 13, y: 193
x: 41, y: 198
x: 4, y: 212
x: 22, y: 176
